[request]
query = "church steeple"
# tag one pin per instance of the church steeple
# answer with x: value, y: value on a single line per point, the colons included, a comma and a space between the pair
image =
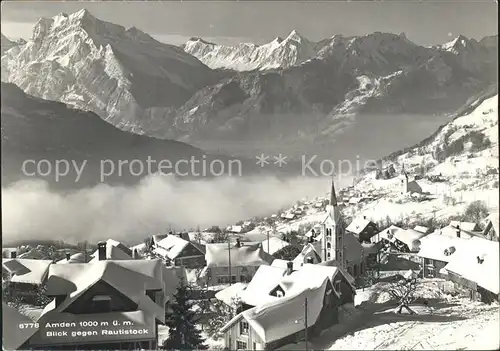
x: 333, y: 231
x: 333, y: 196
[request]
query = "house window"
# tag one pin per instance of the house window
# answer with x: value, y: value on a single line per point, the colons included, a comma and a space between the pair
x: 233, y: 279
x: 279, y: 293
x: 101, y: 303
x: 328, y: 245
x: 337, y: 287
x: 329, y: 255
x: 254, y: 346
x: 244, y: 328
x: 241, y: 345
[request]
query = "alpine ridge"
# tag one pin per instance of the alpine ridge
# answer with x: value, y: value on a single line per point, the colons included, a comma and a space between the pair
x: 293, y: 92
x: 123, y: 75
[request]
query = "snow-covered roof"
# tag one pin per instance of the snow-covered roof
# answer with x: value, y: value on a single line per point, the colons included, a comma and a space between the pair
x: 284, y: 263
x: 355, y: 200
x: 285, y: 316
x: 232, y: 292
x: 220, y: 255
x: 421, y: 229
x: 307, y: 250
x: 235, y: 228
x: 452, y: 232
x: 130, y: 277
x: 441, y: 247
x: 79, y: 257
x: 158, y: 237
x: 469, y: 226
x: 479, y: 263
x: 387, y: 234
x: 265, y: 279
x: 172, y: 246
x: 33, y: 254
x: 26, y: 270
x: 494, y: 219
x: 275, y: 244
x: 269, y: 277
x: 13, y: 337
x: 358, y: 225
x: 409, y: 237
x: 114, y: 251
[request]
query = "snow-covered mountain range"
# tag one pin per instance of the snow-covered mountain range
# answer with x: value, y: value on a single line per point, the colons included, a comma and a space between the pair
x: 120, y: 74
x: 299, y: 93
x: 279, y: 53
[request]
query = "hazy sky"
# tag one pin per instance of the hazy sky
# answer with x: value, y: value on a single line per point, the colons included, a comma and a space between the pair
x: 424, y: 22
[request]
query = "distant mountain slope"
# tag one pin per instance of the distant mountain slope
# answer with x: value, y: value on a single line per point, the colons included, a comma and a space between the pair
x: 120, y: 74
x: 8, y: 44
x: 35, y: 129
x: 354, y: 89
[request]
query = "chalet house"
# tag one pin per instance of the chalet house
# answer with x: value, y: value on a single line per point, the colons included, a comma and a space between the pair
x: 24, y: 277
x: 181, y: 252
x: 279, y: 318
x: 267, y: 278
x: 115, y: 250
x: 403, y: 240
x: 106, y: 304
x: 436, y: 251
x: 362, y: 228
x: 491, y: 230
x: 475, y: 270
x: 231, y: 263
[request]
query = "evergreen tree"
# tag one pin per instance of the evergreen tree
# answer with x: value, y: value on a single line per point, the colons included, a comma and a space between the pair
x: 183, y: 333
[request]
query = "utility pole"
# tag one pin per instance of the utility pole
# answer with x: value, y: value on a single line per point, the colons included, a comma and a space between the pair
x: 229, y: 253
x: 305, y: 323
x: 268, y: 251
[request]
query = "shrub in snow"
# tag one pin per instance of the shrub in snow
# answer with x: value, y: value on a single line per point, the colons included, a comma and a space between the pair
x: 475, y: 212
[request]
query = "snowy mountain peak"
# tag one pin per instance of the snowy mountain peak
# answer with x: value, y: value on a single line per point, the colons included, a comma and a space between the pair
x: 459, y: 44
x: 294, y: 35
x: 83, y: 14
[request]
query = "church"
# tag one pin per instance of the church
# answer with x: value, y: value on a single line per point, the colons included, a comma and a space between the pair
x: 341, y: 248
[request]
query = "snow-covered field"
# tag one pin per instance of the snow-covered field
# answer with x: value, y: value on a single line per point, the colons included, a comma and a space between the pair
x: 454, y: 325
x: 447, y: 323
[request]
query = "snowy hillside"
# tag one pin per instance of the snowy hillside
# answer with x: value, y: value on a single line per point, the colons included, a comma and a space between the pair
x: 462, y: 155
x: 279, y: 53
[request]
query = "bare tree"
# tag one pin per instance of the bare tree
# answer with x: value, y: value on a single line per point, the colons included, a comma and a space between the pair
x: 221, y: 315
x: 404, y: 290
